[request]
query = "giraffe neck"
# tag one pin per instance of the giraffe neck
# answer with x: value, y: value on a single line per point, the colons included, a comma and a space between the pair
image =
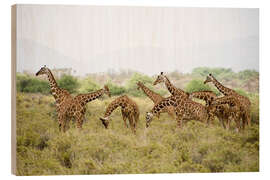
x: 91, y: 96
x: 172, y: 89
x: 151, y: 94
x: 224, y: 90
x: 158, y: 108
x: 207, y: 96
x: 53, y: 85
x: 114, y: 104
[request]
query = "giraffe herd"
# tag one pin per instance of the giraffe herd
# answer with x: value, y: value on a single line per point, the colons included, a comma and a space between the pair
x: 180, y: 105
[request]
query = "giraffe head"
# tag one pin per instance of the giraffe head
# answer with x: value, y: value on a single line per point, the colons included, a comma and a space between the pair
x: 107, y: 91
x: 148, y: 118
x: 105, y: 121
x: 209, y: 78
x: 43, y: 70
x: 160, y: 79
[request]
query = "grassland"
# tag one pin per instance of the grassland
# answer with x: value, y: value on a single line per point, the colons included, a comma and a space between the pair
x: 162, y: 148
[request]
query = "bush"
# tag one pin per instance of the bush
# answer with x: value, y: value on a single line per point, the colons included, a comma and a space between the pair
x: 88, y: 85
x: 241, y: 92
x: 198, y: 85
x: 162, y: 148
x: 29, y: 84
x: 204, y: 71
x: 247, y: 74
x: 69, y: 83
x: 255, y: 113
x: 115, y: 89
x: 131, y: 84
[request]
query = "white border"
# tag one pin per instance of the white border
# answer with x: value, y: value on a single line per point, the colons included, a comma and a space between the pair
x: 5, y: 11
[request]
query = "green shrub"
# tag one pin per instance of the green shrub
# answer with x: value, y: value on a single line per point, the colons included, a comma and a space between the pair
x: 131, y: 84
x: 247, y: 74
x: 255, y: 107
x: 241, y: 92
x: 162, y: 148
x: 115, y: 89
x: 29, y: 84
x: 88, y: 85
x: 217, y: 72
x: 69, y: 83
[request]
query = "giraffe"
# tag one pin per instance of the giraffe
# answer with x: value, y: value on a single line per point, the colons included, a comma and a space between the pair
x: 220, y: 111
x: 77, y: 107
x: 155, y: 97
x: 224, y: 110
x: 244, y: 101
x: 129, y: 110
x: 207, y: 96
x: 232, y: 113
x: 68, y: 107
x: 60, y: 95
x: 185, y: 109
x: 171, y: 88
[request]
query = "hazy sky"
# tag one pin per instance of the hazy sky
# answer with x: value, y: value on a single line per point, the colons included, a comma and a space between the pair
x: 147, y: 39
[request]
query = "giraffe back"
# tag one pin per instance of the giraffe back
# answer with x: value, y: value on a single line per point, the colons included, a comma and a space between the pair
x: 207, y: 96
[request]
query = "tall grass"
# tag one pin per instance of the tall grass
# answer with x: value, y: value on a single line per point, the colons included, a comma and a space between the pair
x: 162, y: 148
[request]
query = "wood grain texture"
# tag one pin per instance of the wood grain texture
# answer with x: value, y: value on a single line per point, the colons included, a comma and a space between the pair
x: 13, y: 86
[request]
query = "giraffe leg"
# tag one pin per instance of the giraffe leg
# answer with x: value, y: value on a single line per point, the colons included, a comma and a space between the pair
x: 124, y: 116
x: 244, y: 121
x: 61, y: 121
x: 222, y: 122
x: 238, y: 125
x: 248, y: 116
x: 131, y: 123
x: 171, y: 112
x: 210, y: 119
x: 179, y: 119
x: 136, y: 117
x: 79, y: 120
x: 228, y: 122
x: 66, y: 124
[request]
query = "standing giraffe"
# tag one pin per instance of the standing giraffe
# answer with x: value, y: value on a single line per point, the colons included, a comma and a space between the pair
x: 68, y: 107
x: 185, y: 109
x: 207, y: 96
x: 155, y: 97
x: 171, y: 88
x: 129, y: 110
x: 244, y: 101
x: 221, y: 111
x: 60, y: 95
x: 233, y: 113
x: 77, y: 107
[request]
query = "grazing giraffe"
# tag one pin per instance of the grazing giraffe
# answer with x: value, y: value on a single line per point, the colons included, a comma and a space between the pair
x: 129, y: 110
x: 68, y: 107
x: 155, y: 97
x: 171, y: 88
x: 185, y: 109
x: 244, y: 101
